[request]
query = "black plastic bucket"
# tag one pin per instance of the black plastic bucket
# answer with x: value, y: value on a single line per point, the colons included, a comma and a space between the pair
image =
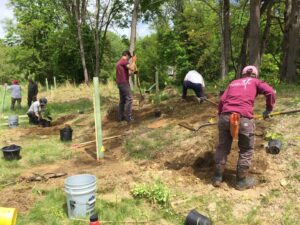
x: 274, y: 147
x: 11, y: 152
x: 66, y: 134
x: 195, y: 218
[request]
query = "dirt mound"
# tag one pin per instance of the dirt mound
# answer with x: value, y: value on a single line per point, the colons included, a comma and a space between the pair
x: 64, y: 119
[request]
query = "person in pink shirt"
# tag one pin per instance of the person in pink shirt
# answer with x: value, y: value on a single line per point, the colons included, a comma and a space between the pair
x: 238, y: 99
x: 123, y: 70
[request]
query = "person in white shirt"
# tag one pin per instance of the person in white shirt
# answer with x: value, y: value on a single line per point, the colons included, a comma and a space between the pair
x: 194, y: 81
x: 35, y: 111
x: 16, y: 94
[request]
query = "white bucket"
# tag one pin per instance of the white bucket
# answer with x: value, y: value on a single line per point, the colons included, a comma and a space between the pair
x: 13, y: 121
x: 81, y: 195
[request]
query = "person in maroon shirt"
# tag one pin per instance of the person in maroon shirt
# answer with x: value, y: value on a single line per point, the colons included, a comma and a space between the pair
x: 123, y: 70
x: 238, y: 99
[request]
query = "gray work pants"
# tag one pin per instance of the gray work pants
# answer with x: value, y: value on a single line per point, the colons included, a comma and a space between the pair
x: 125, y: 105
x: 13, y: 102
x: 245, y: 142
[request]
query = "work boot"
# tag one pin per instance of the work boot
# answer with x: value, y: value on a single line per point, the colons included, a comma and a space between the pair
x: 130, y: 119
x: 120, y: 119
x: 244, y: 182
x: 218, y: 175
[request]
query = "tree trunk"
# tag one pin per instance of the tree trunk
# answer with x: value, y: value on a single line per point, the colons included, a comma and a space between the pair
x: 134, y: 20
x: 266, y: 32
x: 225, y: 38
x: 290, y: 43
x: 254, y: 49
x: 109, y: 13
x: 82, y: 53
x: 244, y: 48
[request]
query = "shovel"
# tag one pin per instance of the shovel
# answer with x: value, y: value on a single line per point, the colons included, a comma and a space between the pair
x: 277, y: 113
x: 214, y: 103
x: 185, y: 125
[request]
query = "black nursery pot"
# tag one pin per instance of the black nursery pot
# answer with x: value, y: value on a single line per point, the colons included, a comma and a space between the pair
x: 66, y: 134
x: 195, y: 218
x: 45, y: 123
x: 274, y: 147
x: 11, y: 152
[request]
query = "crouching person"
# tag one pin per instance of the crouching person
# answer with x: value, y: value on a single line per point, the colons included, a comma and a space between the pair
x: 236, y: 121
x: 35, y: 111
x: 194, y: 80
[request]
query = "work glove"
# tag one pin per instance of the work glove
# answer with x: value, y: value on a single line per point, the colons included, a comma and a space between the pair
x: 202, y: 99
x: 134, y: 58
x: 266, y: 114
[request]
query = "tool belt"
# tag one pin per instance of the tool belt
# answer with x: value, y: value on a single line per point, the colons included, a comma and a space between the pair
x: 234, y: 120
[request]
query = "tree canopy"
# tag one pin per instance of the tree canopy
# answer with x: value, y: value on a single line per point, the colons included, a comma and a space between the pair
x: 209, y: 36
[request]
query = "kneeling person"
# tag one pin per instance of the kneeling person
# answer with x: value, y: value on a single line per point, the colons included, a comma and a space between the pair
x: 35, y: 111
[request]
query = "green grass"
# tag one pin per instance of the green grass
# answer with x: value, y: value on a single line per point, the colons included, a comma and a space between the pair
x: 297, y: 177
x: 34, y: 152
x: 47, y: 151
x: 70, y: 106
x: 267, y: 199
x: 148, y: 145
x: 52, y: 210
x: 291, y: 214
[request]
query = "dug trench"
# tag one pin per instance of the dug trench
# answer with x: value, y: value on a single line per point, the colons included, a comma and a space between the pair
x: 188, y: 157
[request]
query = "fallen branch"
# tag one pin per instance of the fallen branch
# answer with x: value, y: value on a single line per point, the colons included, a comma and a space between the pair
x: 214, y: 103
x: 9, y: 183
x: 93, y: 141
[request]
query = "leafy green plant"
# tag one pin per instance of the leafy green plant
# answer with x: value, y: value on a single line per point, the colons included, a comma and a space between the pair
x: 156, y: 193
x: 47, y: 112
x: 158, y: 98
x: 273, y: 135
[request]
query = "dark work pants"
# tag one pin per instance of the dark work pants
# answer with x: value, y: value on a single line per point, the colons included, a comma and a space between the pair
x: 245, y: 142
x: 33, y: 119
x: 198, y: 89
x: 13, y: 102
x: 125, y: 105
x: 30, y: 100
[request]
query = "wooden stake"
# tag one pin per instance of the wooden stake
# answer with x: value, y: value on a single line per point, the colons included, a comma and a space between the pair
x: 3, y: 101
x: 97, y: 115
x: 156, y: 80
x: 54, y: 82
x: 47, y: 86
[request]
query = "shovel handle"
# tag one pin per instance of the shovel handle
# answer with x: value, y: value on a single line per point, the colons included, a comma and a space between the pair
x: 214, y: 103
